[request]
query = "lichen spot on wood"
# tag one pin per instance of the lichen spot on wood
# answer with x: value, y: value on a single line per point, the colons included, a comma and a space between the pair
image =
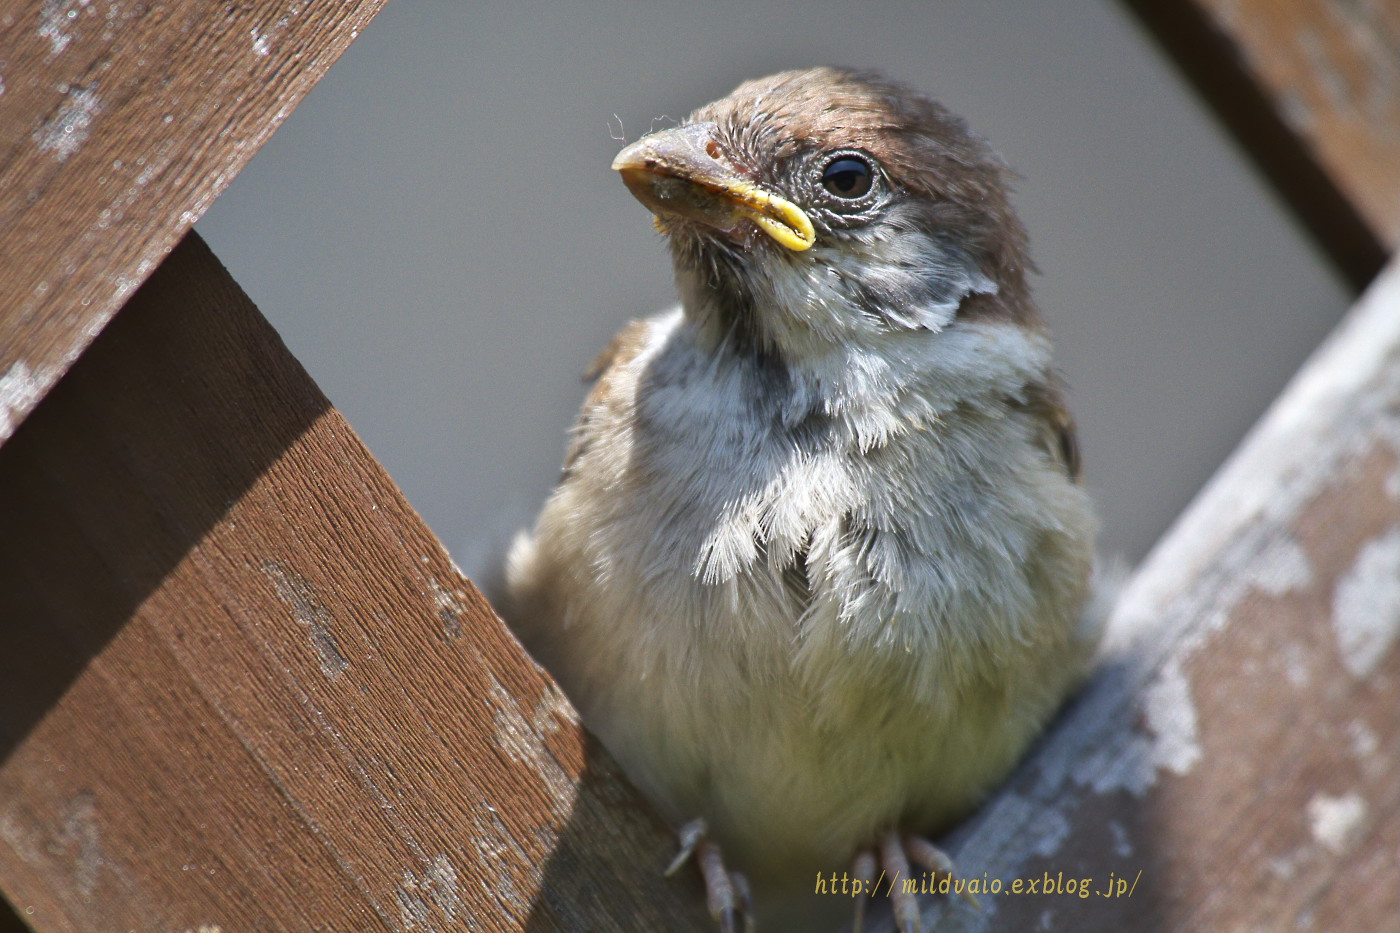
x: 20, y: 390
x: 430, y: 896
x: 297, y: 595
x: 451, y: 607
x: 1366, y: 604
x: 1337, y: 822
x: 65, y: 132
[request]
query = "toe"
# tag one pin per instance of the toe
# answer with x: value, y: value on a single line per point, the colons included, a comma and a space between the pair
x: 726, y: 892
x: 937, y: 861
x: 689, y: 835
x: 863, y: 871
x: 906, y: 907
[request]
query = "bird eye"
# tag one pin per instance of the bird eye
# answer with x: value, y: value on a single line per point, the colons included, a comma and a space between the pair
x: 848, y: 177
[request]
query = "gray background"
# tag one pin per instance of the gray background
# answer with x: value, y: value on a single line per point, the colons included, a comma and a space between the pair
x: 436, y: 233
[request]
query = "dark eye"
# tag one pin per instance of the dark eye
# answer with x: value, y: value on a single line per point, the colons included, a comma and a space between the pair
x: 848, y: 177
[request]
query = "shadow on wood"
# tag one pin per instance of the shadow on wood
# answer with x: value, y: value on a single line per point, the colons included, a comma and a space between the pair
x: 10, y: 921
x: 245, y: 688
x: 103, y: 499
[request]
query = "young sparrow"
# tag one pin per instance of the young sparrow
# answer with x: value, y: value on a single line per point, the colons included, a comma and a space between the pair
x: 817, y: 568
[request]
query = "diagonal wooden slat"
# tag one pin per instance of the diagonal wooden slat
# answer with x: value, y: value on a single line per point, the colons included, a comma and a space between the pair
x: 1311, y: 89
x: 242, y: 687
x: 119, y: 124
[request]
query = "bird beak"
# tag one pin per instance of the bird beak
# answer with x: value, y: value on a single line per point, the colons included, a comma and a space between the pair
x: 678, y: 173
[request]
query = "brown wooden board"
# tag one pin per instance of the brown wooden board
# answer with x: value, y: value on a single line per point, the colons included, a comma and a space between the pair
x: 1235, y: 761
x: 1311, y: 89
x: 119, y: 124
x: 242, y: 687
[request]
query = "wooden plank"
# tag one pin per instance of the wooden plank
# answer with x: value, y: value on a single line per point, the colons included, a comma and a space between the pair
x: 119, y: 124
x: 1311, y: 89
x: 242, y: 687
x: 1237, y: 756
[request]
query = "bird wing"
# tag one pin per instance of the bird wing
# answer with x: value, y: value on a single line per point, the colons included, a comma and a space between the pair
x: 1059, y: 438
x: 622, y: 349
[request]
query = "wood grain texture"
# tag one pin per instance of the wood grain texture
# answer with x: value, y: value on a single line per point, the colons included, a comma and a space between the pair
x: 1237, y: 755
x: 1311, y: 89
x: 119, y: 124
x: 242, y: 687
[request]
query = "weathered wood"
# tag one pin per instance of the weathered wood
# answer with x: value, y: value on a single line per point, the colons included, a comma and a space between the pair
x: 242, y: 687
x: 1237, y: 757
x: 1311, y: 88
x: 119, y: 124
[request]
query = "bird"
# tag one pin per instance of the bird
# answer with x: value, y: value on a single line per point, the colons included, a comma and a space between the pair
x: 818, y: 567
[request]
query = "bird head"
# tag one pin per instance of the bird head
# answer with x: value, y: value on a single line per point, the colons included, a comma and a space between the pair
x: 825, y: 206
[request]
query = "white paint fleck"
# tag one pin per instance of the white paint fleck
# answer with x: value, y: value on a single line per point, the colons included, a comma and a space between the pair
x: 1171, y: 742
x: 426, y: 898
x: 1366, y: 604
x: 1171, y: 715
x: 20, y: 391
x: 68, y: 129
x: 451, y: 606
x: 1046, y: 832
x: 1336, y: 822
x: 1364, y: 741
x: 522, y: 739
x: 495, y: 845
x: 297, y: 595
x: 1040, y: 828
x: 1282, y: 568
x: 262, y: 39
x: 54, y: 19
x: 1122, y: 844
x: 80, y: 835
x: 19, y: 834
x: 1125, y: 766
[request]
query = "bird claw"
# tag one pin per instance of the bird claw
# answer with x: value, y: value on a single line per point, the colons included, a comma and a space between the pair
x: 896, y: 862
x: 894, y: 853
x: 863, y: 870
x: 937, y: 861
x: 689, y: 835
x: 727, y: 893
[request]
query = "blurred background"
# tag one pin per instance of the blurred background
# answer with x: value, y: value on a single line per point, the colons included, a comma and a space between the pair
x: 437, y: 235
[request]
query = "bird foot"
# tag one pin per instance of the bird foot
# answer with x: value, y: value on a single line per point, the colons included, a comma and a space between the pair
x: 893, y: 854
x: 726, y: 892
